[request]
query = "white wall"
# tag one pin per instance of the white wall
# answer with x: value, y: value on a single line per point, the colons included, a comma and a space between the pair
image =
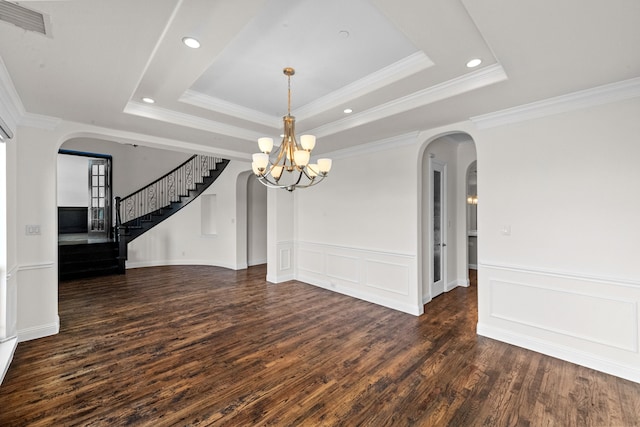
x: 180, y: 238
x: 132, y: 167
x: 356, y: 231
x: 73, y: 181
x: 256, y: 222
x: 37, y: 271
x: 566, y: 281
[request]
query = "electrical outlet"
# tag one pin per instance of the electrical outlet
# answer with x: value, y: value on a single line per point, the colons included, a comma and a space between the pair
x: 32, y: 230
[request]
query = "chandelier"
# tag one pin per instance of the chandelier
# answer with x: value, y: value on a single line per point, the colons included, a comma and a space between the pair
x: 291, y: 157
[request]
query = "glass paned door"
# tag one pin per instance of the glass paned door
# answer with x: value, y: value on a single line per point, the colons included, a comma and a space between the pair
x: 438, y: 228
x: 99, y: 197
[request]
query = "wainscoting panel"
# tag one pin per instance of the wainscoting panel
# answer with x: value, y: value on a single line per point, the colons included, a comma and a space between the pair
x: 388, y: 279
x: 37, y: 287
x: 312, y: 260
x: 387, y: 276
x: 599, y: 319
x: 343, y: 267
x: 9, y: 305
x: 592, y: 321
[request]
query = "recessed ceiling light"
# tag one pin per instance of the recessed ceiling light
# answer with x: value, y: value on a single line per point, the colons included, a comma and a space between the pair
x: 148, y: 100
x: 474, y: 63
x: 348, y: 111
x: 344, y: 34
x: 191, y: 42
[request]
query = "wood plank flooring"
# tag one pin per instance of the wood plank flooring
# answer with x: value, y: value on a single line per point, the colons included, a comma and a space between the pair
x: 196, y: 346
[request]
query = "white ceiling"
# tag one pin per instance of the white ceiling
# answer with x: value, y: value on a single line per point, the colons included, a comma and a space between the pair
x: 401, y: 68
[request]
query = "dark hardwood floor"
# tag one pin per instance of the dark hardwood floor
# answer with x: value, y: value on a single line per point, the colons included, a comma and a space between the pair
x: 209, y: 346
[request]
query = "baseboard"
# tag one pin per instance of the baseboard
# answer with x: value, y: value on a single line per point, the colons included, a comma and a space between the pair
x: 143, y: 264
x: 257, y: 262
x: 452, y: 285
x: 631, y: 373
x: 7, y: 349
x: 375, y: 299
x: 280, y: 279
x: 40, y: 331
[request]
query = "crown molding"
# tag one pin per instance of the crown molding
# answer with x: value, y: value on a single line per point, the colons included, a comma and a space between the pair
x: 170, y: 116
x: 375, y: 146
x: 82, y: 130
x: 605, y: 94
x: 11, y: 108
x: 393, y: 73
x: 212, y: 103
x: 466, y: 83
x: 39, y: 121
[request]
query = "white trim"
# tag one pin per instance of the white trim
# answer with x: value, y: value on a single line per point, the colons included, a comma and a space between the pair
x: 11, y: 107
x: 562, y: 274
x: 35, y: 266
x: 356, y: 248
x: 375, y: 146
x: 40, y: 331
x: 126, y: 137
x: 7, y: 350
x: 160, y: 263
x: 281, y: 278
x: 182, y: 119
x: 218, y: 105
x: 629, y: 372
x: 39, y: 121
x: 454, y: 284
x: 613, y: 92
x: 376, y: 299
x: 457, y: 86
x: 630, y: 345
x: 352, y: 276
x: 393, y: 73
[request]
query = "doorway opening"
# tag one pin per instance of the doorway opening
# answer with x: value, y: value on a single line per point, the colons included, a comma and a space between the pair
x: 84, y: 197
x: 444, y: 261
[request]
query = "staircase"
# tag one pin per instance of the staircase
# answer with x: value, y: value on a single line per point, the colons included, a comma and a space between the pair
x: 87, y: 259
x: 136, y: 214
x: 142, y: 210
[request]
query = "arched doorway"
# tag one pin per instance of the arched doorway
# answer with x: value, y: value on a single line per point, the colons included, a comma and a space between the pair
x: 444, y: 219
x: 251, y: 231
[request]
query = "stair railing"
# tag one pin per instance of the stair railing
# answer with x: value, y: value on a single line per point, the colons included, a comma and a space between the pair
x: 167, y: 189
x: 160, y: 194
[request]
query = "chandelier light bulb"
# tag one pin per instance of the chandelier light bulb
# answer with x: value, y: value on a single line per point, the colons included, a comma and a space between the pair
x: 301, y: 158
x: 276, y: 172
x: 265, y: 144
x: 308, y: 142
x: 261, y: 160
x: 324, y: 165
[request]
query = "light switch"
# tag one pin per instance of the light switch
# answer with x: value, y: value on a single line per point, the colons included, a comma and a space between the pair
x: 505, y: 230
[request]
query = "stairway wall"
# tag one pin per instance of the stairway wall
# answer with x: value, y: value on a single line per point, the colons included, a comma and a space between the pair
x: 180, y: 240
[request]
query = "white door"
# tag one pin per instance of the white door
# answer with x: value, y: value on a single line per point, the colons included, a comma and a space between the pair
x: 438, y: 228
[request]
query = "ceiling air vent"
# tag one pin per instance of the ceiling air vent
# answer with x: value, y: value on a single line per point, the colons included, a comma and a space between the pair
x: 22, y: 17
